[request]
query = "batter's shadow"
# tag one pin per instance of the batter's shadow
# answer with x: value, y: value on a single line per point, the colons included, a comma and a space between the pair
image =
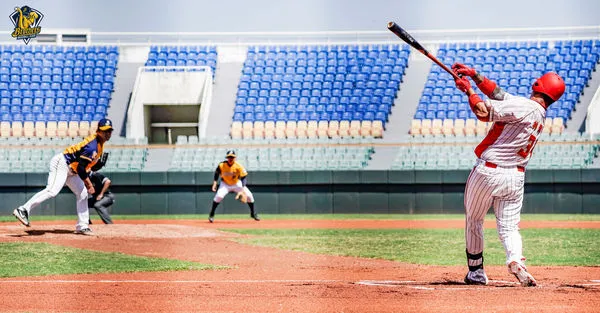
x: 491, y: 283
x: 41, y: 232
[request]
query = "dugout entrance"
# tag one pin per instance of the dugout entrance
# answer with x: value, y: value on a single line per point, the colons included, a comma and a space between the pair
x: 168, y: 101
x: 166, y: 122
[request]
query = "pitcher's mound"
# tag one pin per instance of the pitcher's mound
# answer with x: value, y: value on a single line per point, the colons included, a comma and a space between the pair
x: 111, y: 231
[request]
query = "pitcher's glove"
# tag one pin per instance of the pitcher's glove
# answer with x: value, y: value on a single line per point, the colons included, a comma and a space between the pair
x: 242, y: 197
x: 100, y: 164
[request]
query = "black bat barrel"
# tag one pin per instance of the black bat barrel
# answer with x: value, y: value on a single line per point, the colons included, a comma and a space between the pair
x: 402, y: 34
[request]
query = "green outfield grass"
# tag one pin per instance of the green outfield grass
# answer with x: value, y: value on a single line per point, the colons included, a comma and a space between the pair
x: 39, y: 259
x: 574, y: 247
x: 525, y: 217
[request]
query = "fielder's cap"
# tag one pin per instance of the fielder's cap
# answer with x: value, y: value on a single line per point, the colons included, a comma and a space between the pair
x: 105, y: 124
x: 231, y: 153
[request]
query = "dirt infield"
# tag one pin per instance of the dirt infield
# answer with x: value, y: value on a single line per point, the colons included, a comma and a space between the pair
x: 272, y: 280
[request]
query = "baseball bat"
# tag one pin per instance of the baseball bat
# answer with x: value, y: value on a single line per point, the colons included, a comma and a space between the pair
x: 406, y: 37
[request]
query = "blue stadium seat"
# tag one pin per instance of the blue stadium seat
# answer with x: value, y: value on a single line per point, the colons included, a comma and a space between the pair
x: 18, y: 117
x: 326, y: 83
x: 564, y: 114
x: 260, y: 116
x: 380, y: 116
x: 40, y: 117
x: 238, y: 117
x: 451, y: 114
x: 419, y: 115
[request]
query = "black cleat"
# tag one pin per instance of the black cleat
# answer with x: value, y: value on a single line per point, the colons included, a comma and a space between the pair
x: 22, y: 216
x: 255, y: 216
x: 477, y: 277
x: 211, y: 219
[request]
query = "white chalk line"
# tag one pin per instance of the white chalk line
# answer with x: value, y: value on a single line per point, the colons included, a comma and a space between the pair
x: 423, y: 285
x: 594, y: 284
x: 427, y: 285
x: 395, y: 283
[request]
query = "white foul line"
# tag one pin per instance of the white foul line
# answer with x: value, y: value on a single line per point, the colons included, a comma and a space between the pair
x: 595, y: 284
x: 503, y: 282
x: 414, y: 282
x: 389, y: 282
x: 421, y: 287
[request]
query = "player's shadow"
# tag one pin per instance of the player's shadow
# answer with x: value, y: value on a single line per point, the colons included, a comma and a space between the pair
x: 461, y: 283
x: 447, y: 283
x: 41, y: 232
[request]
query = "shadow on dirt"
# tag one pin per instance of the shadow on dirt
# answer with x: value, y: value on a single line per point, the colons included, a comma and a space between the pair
x: 461, y: 283
x: 41, y: 232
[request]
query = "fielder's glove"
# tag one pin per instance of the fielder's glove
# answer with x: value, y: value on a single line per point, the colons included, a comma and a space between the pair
x: 100, y: 164
x: 242, y: 197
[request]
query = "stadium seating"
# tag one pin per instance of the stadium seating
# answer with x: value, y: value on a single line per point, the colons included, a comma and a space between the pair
x: 294, y: 104
x: 272, y: 155
x: 183, y: 56
x: 566, y: 151
x: 51, y: 84
x: 126, y: 159
x: 514, y: 66
x: 332, y: 84
x: 33, y: 155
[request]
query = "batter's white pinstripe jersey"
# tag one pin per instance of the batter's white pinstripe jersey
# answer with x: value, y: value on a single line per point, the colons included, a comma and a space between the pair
x: 518, y: 122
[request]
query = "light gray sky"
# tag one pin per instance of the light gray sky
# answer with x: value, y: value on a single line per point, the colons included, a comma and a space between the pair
x: 307, y: 15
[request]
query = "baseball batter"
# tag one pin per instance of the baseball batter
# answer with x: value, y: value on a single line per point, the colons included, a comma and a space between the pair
x: 233, y: 179
x: 71, y: 167
x: 497, y: 179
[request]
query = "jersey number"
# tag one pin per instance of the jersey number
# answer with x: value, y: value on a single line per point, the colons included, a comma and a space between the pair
x: 537, y: 128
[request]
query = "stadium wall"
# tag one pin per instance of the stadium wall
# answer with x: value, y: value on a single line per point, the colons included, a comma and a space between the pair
x: 298, y: 192
x: 307, y: 15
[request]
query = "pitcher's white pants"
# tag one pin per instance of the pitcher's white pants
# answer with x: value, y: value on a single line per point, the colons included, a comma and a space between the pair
x: 501, y: 188
x: 59, y: 175
x: 224, y: 189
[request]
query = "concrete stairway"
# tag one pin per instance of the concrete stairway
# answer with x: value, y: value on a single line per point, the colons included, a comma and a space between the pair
x: 382, y: 158
x: 158, y: 160
x: 124, y: 81
x: 577, y: 122
x: 227, y: 78
x: 405, y: 104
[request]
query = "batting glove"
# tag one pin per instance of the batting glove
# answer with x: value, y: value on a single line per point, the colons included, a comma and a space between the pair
x: 462, y: 84
x: 461, y: 69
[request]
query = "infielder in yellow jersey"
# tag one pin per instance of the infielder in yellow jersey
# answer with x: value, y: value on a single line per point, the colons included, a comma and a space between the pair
x: 233, y: 179
x: 71, y: 167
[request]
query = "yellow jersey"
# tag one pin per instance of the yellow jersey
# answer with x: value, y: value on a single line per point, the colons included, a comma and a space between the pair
x: 231, y: 174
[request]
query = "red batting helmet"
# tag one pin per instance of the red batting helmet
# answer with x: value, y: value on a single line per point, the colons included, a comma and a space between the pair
x: 551, y: 85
